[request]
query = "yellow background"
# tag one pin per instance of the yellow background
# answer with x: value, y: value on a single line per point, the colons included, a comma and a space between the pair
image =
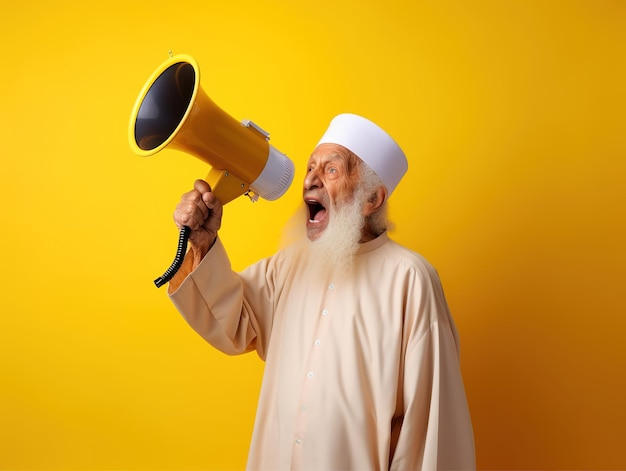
x: 512, y: 114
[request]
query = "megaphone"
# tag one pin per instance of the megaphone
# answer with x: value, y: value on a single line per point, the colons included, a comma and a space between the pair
x: 173, y: 111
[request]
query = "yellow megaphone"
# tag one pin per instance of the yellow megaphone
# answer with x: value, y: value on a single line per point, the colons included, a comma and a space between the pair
x: 173, y: 111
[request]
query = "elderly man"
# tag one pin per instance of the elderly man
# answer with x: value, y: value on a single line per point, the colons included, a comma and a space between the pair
x: 362, y: 356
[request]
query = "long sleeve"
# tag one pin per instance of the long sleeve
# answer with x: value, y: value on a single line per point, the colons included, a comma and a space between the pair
x: 435, y: 430
x: 212, y: 299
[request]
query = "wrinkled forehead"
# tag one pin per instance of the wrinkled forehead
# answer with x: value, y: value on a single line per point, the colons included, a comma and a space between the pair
x: 334, y: 153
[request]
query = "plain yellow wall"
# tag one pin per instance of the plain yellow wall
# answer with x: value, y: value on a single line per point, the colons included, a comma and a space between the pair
x: 512, y: 114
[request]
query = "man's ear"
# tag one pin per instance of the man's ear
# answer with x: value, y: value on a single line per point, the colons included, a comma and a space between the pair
x: 375, y: 201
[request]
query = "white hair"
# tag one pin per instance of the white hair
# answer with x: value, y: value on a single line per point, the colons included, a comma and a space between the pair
x: 378, y: 221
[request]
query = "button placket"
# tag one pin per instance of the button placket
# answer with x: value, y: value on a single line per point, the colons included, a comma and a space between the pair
x: 313, y: 374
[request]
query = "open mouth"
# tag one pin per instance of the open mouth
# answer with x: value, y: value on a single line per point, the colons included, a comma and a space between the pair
x: 317, y: 211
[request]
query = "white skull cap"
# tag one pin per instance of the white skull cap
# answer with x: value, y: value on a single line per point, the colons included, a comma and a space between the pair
x: 371, y: 144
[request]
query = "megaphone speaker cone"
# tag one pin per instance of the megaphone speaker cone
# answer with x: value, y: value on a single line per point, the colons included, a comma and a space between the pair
x: 164, y: 106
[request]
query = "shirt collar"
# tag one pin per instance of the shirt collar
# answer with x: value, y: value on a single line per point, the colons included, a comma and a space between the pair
x: 373, y: 244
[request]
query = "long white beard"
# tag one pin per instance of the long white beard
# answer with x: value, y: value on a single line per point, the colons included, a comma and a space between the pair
x: 336, y: 248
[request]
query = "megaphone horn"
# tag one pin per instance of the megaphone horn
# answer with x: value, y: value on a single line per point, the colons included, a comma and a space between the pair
x: 173, y: 111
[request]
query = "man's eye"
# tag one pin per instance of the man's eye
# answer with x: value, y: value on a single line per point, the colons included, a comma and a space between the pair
x: 332, y: 170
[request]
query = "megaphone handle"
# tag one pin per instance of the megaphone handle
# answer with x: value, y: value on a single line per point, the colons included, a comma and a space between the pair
x: 178, y: 259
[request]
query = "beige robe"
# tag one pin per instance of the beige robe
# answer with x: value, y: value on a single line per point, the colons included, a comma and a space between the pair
x: 362, y: 371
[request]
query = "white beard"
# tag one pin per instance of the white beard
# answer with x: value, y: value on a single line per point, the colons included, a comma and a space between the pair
x: 336, y: 248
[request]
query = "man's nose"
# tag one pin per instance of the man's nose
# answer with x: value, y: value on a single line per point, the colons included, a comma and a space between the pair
x: 312, y: 180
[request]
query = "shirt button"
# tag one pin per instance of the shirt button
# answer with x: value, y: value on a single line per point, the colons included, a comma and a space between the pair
x: 309, y: 374
x: 298, y: 441
x: 318, y: 342
x: 331, y: 286
x: 302, y: 409
x: 325, y: 312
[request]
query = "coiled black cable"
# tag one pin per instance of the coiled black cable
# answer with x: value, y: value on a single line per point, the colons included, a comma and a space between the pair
x: 183, y: 238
